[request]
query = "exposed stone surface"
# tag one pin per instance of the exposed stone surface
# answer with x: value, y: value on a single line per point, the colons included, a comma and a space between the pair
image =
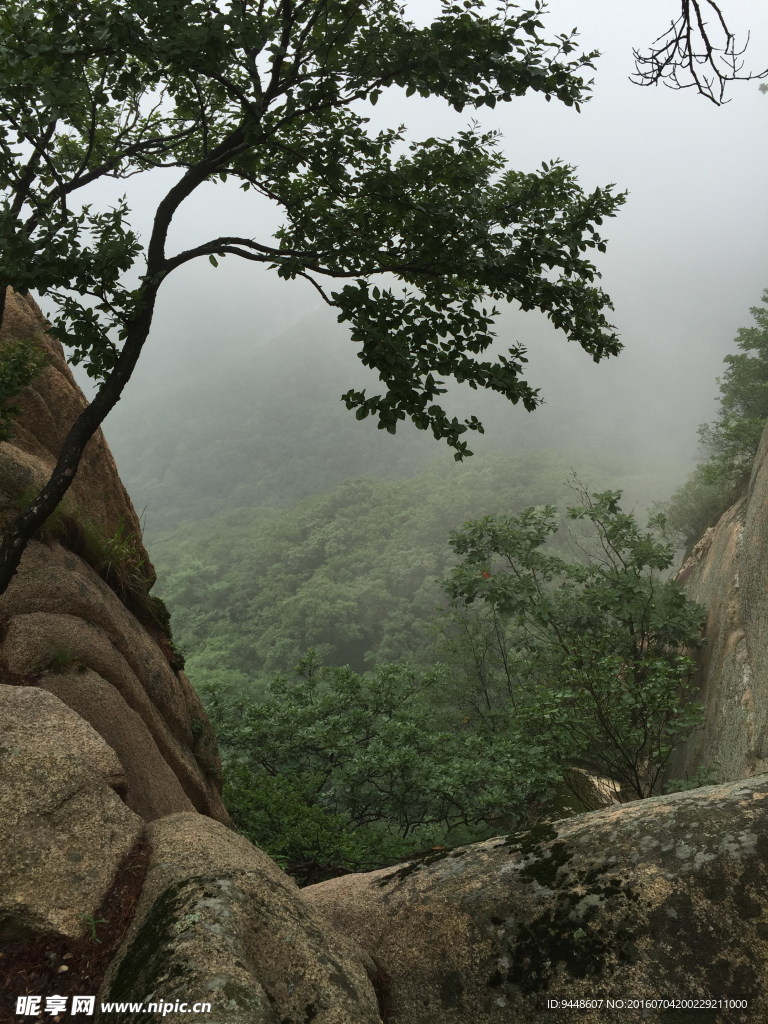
x: 218, y: 921
x: 58, y: 610
x: 661, y: 898
x: 152, y: 789
x: 63, y: 827
x: 727, y: 572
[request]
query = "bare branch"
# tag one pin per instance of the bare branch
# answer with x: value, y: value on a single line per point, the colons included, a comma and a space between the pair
x: 325, y: 297
x: 244, y: 247
x: 692, y: 55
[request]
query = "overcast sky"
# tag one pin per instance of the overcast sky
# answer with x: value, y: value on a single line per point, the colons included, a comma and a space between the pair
x: 686, y: 258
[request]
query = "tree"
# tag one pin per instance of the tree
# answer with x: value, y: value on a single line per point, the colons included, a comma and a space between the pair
x: 272, y: 95
x: 687, y: 56
x: 592, y: 662
x: 581, y: 667
x: 729, y: 444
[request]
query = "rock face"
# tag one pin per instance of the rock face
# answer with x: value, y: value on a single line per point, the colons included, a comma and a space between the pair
x: 660, y: 899
x: 727, y: 572
x: 219, y: 922
x: 63, y: 628
x: 64, y: 829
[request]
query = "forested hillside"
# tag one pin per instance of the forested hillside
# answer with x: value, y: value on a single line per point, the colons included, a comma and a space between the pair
x: 273, y: 537
x: 264, y: 429
x: 287, y: 524
x: 350, y: 573
x: 260, y: 425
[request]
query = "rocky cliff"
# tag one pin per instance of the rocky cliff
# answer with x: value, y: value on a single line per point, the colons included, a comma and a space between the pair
x: 727, y: 572
x: 64, y: 624
x: 662, y: 899
x: 120, y: 878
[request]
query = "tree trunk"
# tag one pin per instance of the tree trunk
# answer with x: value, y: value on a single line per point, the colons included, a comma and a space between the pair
x: 20, y: 530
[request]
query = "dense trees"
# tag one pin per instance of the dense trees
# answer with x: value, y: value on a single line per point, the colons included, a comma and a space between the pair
x: 270, y: 94
x: 336, y: 771
x: 413, y: 244
x: 589, y: 652
x: 351, y: 573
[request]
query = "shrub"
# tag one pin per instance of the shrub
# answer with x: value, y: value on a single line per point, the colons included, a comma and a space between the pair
x: 335, y: 772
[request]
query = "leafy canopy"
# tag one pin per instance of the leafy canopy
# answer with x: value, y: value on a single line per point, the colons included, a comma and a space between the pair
x: 335, y: 771
x: 570, y: 668
x: 731, y: 442
x: 350, y: 573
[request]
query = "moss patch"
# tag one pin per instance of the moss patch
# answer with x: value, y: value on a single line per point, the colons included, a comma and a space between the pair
x: 149, y: 956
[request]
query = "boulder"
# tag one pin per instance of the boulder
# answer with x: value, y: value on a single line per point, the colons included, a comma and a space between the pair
x: 219, y: 922
x: 664, y: 898
x: 59, y: 612
x: 727, y: 572
x: 64, y: 828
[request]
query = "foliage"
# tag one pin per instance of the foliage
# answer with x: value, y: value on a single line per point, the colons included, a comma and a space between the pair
x: 91, y: 923
x: 278, y: 443
x: 335, y: 771
x: 569, y: 665
x: 271, y: 95
x: 62, y: 659
x: 696, y: 506
x: 730, y: 443
x: 20, y: 362
x: 587, y: 656
x: 118, y: 558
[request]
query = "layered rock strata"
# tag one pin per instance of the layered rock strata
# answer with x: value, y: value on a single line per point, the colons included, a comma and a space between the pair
x: 65, y: 629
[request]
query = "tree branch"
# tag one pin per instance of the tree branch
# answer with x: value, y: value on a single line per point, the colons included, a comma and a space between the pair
x: 688, y: 48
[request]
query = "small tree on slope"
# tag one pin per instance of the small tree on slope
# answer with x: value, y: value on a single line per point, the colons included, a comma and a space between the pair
x: 731, y: 442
